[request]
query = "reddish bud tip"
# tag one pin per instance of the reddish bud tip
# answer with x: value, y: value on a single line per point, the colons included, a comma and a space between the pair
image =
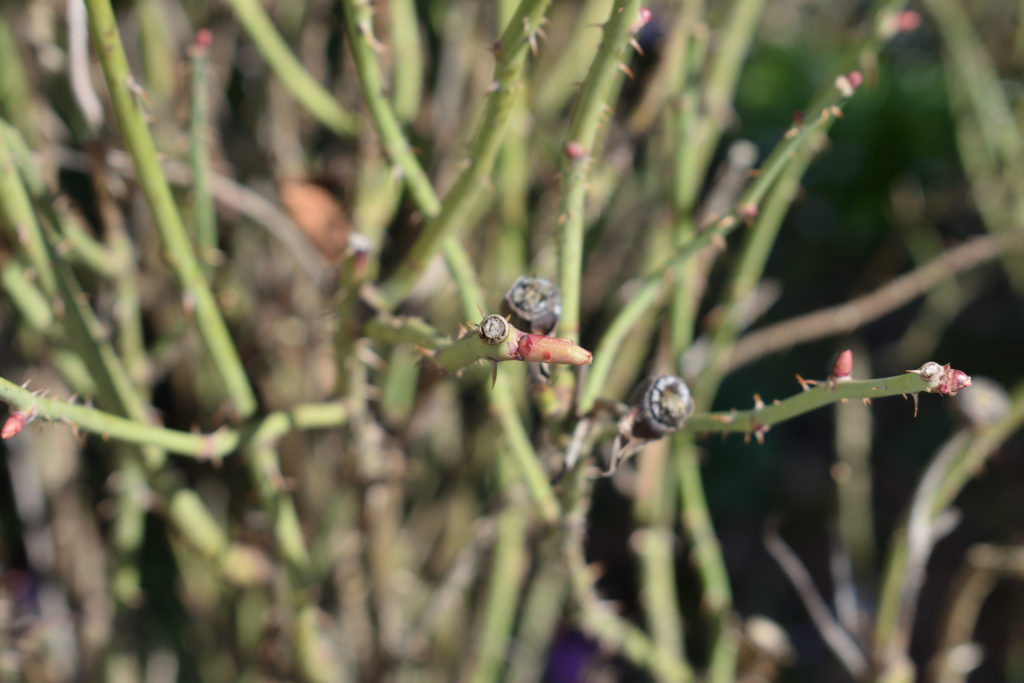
x: 204, y: 38
x: 748, y: 212
x: 843, y: 369
x: 538, y: 348
x: 643, y: 18
x: 907, y: 20
x: 954, y: 381
x: 575, y: 150
x: 798, y: 117
x: 847, y: 84
x: 14, y: 423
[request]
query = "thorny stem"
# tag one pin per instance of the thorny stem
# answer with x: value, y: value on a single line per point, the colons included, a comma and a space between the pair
x: 757, y: 420
x: 128, y: 109
x: 470, y: 347
x: 82, y: 330
x: 219, y: 444
x: 513, y: 345
x: 591, y: 110
x: 205, y: 219
x: 359, y: 29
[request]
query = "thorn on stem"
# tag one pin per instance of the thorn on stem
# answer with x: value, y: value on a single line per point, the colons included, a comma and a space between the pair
x: 806, y: 384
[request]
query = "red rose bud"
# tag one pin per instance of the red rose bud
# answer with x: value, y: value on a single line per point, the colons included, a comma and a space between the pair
x: 855, y: 78
x: 954, y: 381
x: 14, y: 423
x: 843, y: 368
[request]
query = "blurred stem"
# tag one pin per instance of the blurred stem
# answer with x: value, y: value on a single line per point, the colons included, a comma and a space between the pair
x: 359, y: 29
x: 265, y: 471
x: 20, y: 219
x: 688, y: 175
x: 129, y: 530
x: 556, y: 85
x: 31, y: 304
x: 943, y: 482
x: 596, y: 617
x: 854, y: 427
x: 590, y: 111
x: 219, y: 444
x: 159, y: 59
x: 654, y: 509
x: 707, y: 558
x: 719, y: 89
x: 312, y: 96
x: 508, y: 260
x: 543, y: 607
x: 445, y: 218
x: 407, y: 61
x: 973, y: 66
x: 83, y: 331
x: 504, y: 584
x: 173, y: 237
x: 205, y: 217
x: 15, y: 97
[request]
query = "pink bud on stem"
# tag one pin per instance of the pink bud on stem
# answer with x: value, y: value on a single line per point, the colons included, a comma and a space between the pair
x: 539, y: 348
x: 954, y: 381
x: 643, y: 18
x: 15, y: 422
x: 907, y: 21
x: 204, y: 38
x: 842, y: 371
x: 949, y: 380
